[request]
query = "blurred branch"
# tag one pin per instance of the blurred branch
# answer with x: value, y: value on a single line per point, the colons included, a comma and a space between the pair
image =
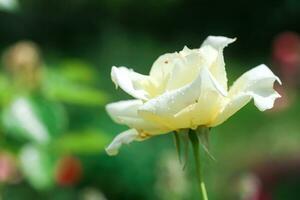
x: 60, y: 88
x: 81, y: 142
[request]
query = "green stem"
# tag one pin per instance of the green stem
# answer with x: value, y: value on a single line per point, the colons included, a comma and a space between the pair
x: 196, y: 149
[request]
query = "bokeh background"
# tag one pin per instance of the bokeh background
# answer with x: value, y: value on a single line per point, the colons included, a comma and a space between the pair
x: 56, y: 58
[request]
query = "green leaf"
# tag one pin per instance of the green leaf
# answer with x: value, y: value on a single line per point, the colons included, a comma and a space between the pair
x: 77, y: 70
x: 5, y: 90
x: 37, y: 166
x: 84, y: 142
x: 59, y: 88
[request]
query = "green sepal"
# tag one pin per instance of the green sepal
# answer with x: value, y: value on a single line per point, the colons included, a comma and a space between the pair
x: 203, y: 135
x: 177, y: 144
x: 186, y: 143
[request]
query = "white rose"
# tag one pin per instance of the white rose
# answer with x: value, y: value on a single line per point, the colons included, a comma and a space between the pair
x: 186, y: 90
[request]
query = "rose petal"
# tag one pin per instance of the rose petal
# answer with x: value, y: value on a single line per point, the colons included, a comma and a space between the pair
x: 257, y: 83
x: 125, y: 112
x: 164, y: 65
x: 218, y: 67
x: 187, y: 68
x: 127, y: 108
x: 218, y: 42
x: 125, y: 137
x: 131, y: 82
x: 162, y: 110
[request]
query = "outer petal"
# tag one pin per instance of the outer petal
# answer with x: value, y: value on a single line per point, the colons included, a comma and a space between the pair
x: 163, y: 109
x: 125, y: 112
x: 127, y: 108
x: 218, y: 42
x: 130, y: 81
x: 257, y: 84
x: 218, y: 67
x: 125, y: 137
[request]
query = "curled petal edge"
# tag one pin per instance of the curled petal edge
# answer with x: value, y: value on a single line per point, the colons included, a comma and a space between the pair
x: 125, y: 137
x: 256, y: 84
x: 129, y: 81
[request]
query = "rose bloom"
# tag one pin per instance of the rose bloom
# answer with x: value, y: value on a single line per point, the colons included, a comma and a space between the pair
x: 185, y: 90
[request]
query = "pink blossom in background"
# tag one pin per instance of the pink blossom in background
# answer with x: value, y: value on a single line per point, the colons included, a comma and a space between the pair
x: 286, y: 56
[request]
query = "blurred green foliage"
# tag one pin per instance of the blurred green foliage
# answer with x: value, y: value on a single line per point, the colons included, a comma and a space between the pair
x: 35, y: 119
x: 37, y: 166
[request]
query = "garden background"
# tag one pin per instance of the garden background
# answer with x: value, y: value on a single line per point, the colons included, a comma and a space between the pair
x: 56, y: 58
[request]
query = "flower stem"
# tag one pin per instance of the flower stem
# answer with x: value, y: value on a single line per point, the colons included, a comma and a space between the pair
x: 196, y: 149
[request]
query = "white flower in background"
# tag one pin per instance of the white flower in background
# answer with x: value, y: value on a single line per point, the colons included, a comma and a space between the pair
x: 186, y: 89
x: 9, y: 5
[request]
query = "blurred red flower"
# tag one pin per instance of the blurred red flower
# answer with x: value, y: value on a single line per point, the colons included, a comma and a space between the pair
x: 68, y: 171
x: 286, y: 55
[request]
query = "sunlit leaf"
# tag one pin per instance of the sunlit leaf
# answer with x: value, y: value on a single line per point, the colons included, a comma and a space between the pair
x: 37, y: 166
x: 5, y: 89
x: 9, y: 5
x: 33, y: 118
